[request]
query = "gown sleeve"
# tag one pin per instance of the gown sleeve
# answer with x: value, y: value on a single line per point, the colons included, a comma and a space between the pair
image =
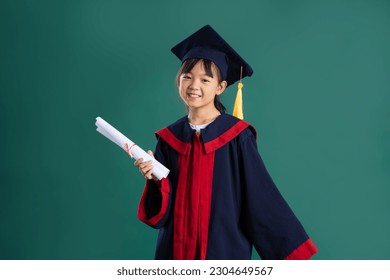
x: 156, y: 198
x: 269, y: 222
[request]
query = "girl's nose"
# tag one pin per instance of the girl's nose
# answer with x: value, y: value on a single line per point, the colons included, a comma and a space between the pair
x: 194, y: 88
x: 194, y: 85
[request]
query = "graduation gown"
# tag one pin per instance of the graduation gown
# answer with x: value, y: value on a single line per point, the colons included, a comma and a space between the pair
x: 218, y: 200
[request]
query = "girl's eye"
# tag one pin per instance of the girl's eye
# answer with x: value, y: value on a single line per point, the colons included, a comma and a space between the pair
x: 205, y: 81
x: 186, y: 77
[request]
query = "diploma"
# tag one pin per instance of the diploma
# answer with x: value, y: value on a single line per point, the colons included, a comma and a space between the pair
x: 103, y: 127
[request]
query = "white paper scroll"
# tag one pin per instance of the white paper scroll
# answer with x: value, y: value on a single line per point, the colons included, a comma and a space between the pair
x: 159, y: 170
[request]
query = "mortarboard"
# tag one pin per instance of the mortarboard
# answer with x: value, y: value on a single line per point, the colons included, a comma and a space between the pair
x: 206, y: 43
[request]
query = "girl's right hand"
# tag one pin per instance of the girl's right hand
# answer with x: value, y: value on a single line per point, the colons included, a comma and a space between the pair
x: 146, y: 168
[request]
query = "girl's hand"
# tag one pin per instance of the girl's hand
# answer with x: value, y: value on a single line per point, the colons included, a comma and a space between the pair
x: 146, y: 168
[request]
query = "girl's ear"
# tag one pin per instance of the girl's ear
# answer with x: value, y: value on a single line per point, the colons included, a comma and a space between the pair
x: 221, y: 87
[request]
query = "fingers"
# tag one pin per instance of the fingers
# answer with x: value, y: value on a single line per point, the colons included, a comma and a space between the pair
x: 138, y: 161
x: 146, y: 168
x: 148, y: 174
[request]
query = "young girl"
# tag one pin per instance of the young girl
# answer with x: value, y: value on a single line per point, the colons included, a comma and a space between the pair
x: 218, y: 200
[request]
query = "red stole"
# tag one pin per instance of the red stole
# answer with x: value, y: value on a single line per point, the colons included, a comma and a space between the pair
x: 193, y: 202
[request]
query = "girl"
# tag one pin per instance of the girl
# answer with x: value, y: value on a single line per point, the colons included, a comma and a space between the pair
x: 218, y: 200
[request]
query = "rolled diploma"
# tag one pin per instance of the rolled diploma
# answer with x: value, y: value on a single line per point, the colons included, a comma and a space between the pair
x: 103, y: 127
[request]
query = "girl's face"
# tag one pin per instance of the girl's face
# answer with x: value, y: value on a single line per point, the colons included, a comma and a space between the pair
x: 198, y: 90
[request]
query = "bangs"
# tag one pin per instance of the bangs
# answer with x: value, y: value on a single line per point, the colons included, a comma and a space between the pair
x: 210, y: 68
x: 189, y: 64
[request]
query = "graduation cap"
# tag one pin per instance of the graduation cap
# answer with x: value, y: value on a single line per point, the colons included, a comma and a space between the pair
x: 206, y: 43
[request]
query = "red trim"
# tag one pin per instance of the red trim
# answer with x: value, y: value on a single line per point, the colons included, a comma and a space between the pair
x: 193, y: 203
x: 304, y: 251
x: 226, y: 137
x: 164, y: 186
x: 179, y: 146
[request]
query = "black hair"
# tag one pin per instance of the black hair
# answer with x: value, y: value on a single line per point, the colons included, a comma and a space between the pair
x: 187, y: 66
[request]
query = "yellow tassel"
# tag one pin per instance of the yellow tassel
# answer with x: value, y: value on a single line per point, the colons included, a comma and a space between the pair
x: 237, y: 111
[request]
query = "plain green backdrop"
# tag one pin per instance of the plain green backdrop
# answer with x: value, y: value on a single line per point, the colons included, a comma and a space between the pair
x: 319, y: 99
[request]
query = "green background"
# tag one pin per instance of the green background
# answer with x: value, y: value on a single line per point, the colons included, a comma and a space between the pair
x: 319, y: 99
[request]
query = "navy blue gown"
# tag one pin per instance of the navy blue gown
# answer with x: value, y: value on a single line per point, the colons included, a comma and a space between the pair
x: 219, y: 200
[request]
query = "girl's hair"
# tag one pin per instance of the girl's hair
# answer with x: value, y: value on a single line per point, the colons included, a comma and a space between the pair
x: 187, y: 66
